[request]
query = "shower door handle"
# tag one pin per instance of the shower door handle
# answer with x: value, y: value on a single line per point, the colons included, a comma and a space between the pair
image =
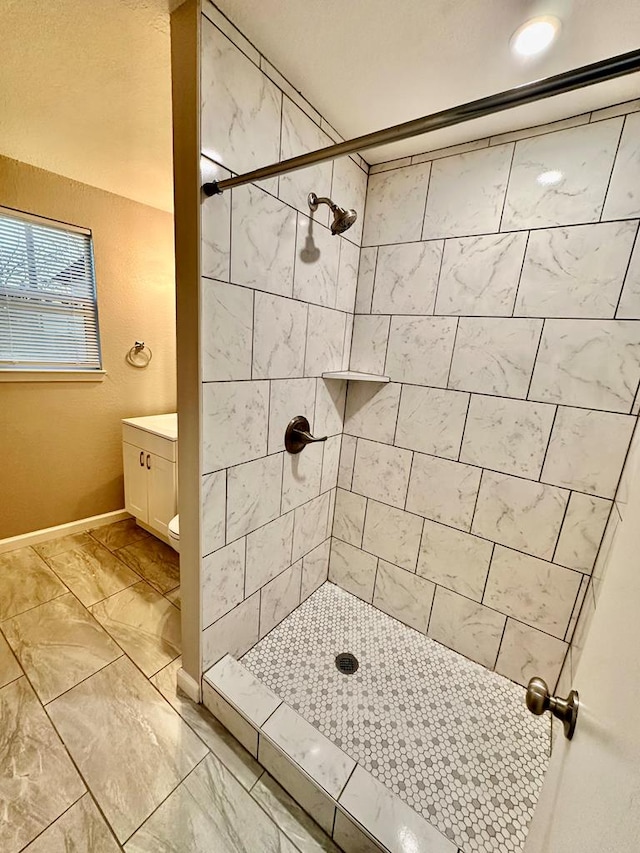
x: 539, y: 700
x: 297, y: 435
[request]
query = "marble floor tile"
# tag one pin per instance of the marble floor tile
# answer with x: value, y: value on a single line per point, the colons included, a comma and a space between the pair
x: 9, y: 667
x: 38, y: 782
x: 59, y: 644
x: 158, y: 563
x: 92, y: 572
x: 225, y: 747
x: 63, y: 543
x: 128, y: 743
x: 25, y: 582
x: 144, y: 623
x: 209, y: 805
x: 119, y: 534
x: 81, y: 828
x: 174, y: 597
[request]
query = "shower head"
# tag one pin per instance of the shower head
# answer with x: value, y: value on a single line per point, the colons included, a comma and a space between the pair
x: 342, y: 219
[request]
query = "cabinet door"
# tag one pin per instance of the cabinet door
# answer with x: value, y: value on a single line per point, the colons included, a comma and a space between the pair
x: 162, y: 492
x: 135, y: 481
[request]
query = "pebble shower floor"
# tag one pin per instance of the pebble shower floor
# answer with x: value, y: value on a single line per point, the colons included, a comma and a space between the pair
x: 452, y: 739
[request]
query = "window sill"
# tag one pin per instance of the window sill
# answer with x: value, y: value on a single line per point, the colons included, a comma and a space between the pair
x: 52, y: 375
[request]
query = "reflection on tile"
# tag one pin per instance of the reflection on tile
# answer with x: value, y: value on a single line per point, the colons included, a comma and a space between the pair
x: 65, y: 543
x: 392, y: 534
x: 241, y: 687
x: 348, y: 520
x: 453, y: 559
x: 37, y: 779
x: 420, y: 349
x: 119, y: 534
x: 525, y: 652
x: 442, y: 490
x: 403, y: 595
x: 9, y: 666
x: 469, y: 628
x: 325, y: 340
x: 395, y: 204
x: 214, y: 498
x: 317, y: 259
x: 369, y: 343
x: 82, y: 827
x: 234, y: 423
x: 253, y: 495
x: 352, y: 569
x: 312, y: 751
x: 279, y: 331
x: 431, y: 420
x: 582, y: 531
x: 132, y: 748
x: 25, y: 582
x: 407, y: 278
x: 350, y: 838
x: 315, y: 569
x: 289, y: 397
x: 59, y: 644
x: 144, y: 623
x: 310, y: 525
x: 233, y: 634
x: 226, y: 331
x: 372, y: 410
x: 158, y: 563
x: 222, y: 581
x: 623, y: 197
x: 93, y: 573
x: 366, y: 273
x: 382, y: 472
x: 280, y: 597
x: 268, y: 552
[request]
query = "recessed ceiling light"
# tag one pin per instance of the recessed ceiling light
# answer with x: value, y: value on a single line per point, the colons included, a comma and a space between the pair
x: 535, y: 35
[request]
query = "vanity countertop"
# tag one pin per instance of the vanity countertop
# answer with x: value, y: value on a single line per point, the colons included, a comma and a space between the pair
x: 165, y: 426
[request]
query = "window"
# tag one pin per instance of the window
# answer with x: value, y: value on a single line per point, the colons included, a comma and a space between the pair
x: 48, y: 308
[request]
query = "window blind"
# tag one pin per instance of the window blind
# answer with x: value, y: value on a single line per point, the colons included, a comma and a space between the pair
x: 48, y: 309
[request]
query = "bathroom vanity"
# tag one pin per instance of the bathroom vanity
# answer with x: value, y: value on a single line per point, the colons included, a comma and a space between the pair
x: 150, y: 457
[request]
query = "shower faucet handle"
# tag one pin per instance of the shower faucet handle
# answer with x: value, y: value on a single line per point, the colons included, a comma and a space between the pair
x: 297, y: 435
x: 539, y: 700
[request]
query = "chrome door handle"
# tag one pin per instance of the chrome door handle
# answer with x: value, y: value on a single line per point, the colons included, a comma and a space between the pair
x: 141, y: 459
x: 540, y: 700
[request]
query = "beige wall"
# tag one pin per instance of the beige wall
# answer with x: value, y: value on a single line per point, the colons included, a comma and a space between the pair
x: 61, y: 450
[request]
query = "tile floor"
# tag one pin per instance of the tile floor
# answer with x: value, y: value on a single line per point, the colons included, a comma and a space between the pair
x: 98, y: 750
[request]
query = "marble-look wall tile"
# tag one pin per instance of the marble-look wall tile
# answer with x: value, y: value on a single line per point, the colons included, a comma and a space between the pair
x: 352, y: 569
x: 238, y: 97
x: 279, y: 333
x: 431, y: 420
x: 222, y: 581
x: 561, y: 178
x: 348, y: 521
x: 453, y: 559
x: 587, y: 450
x: 263, y: 241
x: 299, y: 136
x: 369, y: 343
x: 381, y: 472
x: 441, y: 490
x: 349, y: 836
x: 520, y: 513
x: 234, y: 634
x: 268, y: 552
x: 330, y: 463
x: 406, y: 278
x: 576, y: 271
x: 420, y: 349
x: 253, y: 495
x: 531, y: 590
x: 315, y: 569
x: 330, y: 403
x: 214, y: 500
x: 507, y: 435
x: 480, y: 274
x: 539, y: 129
x: 280, y: 597
x: 480, y: 176
x: 215, y: 225
x: 241, y: 687
x: 366, y: 277
x: 623, y: 195
x: 347, y: 276
x: 372, y: 410
x: 301, y: 476
x: 227, y: 332
x: 234, y: 423
x: 311, y: 521
x: 395, y: 205
x: 629, y: 307
x: 349, y: 190
x: 392, y: 534
x: 469, y: 628
x: 494, y: 355
x: 582, y: 531
x: 317, y: 259
x: 289, y: 397
x: 347, y: 459
x: 403, y: 595
x: 525, y: 652
x: 325, y: 341
x: 591, y: 363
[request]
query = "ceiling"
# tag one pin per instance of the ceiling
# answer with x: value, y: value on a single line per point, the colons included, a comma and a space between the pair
x: 368, y: 64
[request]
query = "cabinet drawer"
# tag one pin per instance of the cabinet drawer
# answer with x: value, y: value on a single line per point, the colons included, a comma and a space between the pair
x: 163, y: 447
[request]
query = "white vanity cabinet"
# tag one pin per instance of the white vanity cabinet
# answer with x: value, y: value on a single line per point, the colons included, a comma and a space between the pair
x: 150, y: 457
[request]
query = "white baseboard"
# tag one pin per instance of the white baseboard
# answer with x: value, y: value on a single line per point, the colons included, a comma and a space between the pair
x: 37, y: 536
x: 188, y: 685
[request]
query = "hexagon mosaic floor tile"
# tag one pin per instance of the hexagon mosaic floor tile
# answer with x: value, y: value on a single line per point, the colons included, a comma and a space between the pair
x: 447, y: 736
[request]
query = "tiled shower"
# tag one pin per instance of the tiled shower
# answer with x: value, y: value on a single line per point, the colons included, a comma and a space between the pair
x: 494, y: 291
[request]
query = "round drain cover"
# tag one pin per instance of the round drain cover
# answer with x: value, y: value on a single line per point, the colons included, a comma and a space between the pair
x: 347, y: 663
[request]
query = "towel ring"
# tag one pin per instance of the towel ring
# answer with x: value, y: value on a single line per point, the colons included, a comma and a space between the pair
x: 139, y: 355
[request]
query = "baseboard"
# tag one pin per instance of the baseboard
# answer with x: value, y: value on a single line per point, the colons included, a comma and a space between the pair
x: 188, y: 685
x: 37, y: 536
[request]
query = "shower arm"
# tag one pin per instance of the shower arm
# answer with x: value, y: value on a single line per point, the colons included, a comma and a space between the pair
x: 558, y: 84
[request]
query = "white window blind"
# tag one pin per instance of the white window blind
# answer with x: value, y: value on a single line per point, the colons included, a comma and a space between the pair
x: 48, y: 309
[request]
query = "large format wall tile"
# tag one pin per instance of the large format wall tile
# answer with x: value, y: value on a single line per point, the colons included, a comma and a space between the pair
x: 352, y: 569
x: 317, y: 259
x: 453, y: 559
x: 494, y: 356
x: 372, y: 410
x: 507, y: 435
x: 623, y: 196
x: 347, y: 275
x: 234, y: 423
x: 466, y: 627
x: 420, y: 349
x: 381, y: 472
x: 561, y: 178
x: 214, y: 501
x: 431, y: 420
x: 349, y: 190
x: 629, y: 307
x: 279, y: 597
x: 233, y: 634
x: 369, y: 343
x: 575, y: 272
x: 392, y: 534
x: 222, y: 581
x: 466, y: 193
x: 525, y: 653
x: 403, y: 595
x: 325, y: 341
x: 299, y: 136
x: 253, y: 495
x: 407, y: 278
x: 227, y: 332
x: 215, y: 226
x: 348, y: 521
x: 366, y: 276
x: 268, y: 552
x: 480, y: 275
x: 330, y: 404
x: 301, y: 476
x: 289, y: 397
x: 441, y: 490
x: 279, y: 334
x: 315, y: 569
x: 310, y: 525
x: 582, y: 531
x: 395, y: 205
x: 591, y: 363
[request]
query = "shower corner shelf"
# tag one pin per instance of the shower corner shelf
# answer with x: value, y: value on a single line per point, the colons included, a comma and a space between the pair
x: 355, y: 376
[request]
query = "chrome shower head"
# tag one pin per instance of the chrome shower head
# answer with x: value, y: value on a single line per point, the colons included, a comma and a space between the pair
x: 342, y: 219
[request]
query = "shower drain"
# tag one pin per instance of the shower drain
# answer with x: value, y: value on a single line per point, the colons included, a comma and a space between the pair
x: 347, y: 663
